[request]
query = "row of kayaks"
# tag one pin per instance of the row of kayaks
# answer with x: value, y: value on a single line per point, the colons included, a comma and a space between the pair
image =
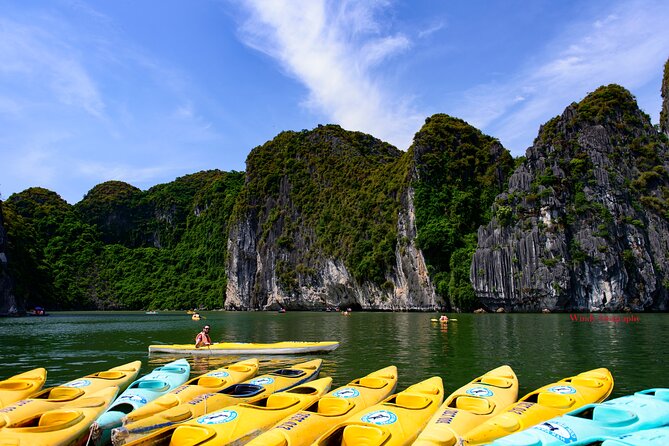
x: 292, y: 406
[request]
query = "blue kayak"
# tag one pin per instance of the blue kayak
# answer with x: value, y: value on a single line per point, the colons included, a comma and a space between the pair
x: 149, y: 387
x: 650, y: 437
x: 597, y: 422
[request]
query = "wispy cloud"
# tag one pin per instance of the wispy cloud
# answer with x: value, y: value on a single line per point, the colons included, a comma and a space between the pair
x: 626, y: 45
x: 333, y: 49
x: 137, y: 175
x: 46, y: 62
x: 83, y: 104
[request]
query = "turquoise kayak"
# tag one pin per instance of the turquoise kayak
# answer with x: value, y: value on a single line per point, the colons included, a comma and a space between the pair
x: 650, y: 437
x: 160, y: 381
x: 643, y: 410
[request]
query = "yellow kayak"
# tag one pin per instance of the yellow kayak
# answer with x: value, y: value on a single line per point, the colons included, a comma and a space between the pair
x: 248, y: 391
x: 210, y: 382
x: 547, y: 402
x: 338, y: 405
x: 469, y: 406
x: 68, y: 393
x: 248, y: 348
x: 396, y: 421
x: 240, y: 423
x: 60, y: 427
x: 21, y: 386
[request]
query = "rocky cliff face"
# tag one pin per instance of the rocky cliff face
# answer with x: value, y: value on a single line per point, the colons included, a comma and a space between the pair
x: 277, y: 253
x: 8, y: 304
x: 584, y: 224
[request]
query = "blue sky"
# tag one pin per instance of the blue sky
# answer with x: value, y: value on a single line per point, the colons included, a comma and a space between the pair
x: 145, y: 91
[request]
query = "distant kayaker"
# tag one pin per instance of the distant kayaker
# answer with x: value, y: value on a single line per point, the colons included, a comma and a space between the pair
x: 202, y: 339
x: 443, y: 318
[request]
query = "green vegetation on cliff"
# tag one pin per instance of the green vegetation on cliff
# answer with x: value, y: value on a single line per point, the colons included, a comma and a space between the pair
x: 124, y: 248
x: 460, y: 172
x: 342, y: 186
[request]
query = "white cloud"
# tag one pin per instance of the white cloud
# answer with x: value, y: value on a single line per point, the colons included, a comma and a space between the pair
x: 333, y: 50
x: 627, y: 45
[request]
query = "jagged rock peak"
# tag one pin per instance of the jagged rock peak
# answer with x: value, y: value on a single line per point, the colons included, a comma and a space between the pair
x: 664, y: 114
x: 584, y: 224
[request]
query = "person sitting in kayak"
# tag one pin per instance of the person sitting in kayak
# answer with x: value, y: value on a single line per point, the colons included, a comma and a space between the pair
x: 202, y: 339
x: 443, y: 318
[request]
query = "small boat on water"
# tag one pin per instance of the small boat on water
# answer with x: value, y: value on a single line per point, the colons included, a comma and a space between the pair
x: 302, y: 428
x: 595, y: 422
x: 543, y: 404
x: 248, y: 348
x: 396, y: 421
x: 469, y: 406
x: 149, y: 387
x: 38, y: 311
x: 21, y: 386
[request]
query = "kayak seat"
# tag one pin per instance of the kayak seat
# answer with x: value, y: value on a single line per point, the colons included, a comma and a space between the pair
x: 108, y: 374
x: 355, y: 434
x: 190, y: 435
x: 210, y: 381
x: 279, y: 401
x: 497, y: 381
x: 371, y: 382
x: 171, y: 369
x: 479, y: 406
x: 587, y: 382
x: 243, y: 390
x: 613, y: 416
x: 412, y: 401
x: 507, y: 421
x: 168, y: 400
x: 179, y: 414
x: 660, y: 393
x: 65, y: 393
x: 240, y: 368
x: 333, y: 406
x: 303, y: 390
x: 15, y: 385
x: 293, y: 373
x: 556, y: 400
x: 92, y: 401
x: 151, y: 384
x: 60, y: 419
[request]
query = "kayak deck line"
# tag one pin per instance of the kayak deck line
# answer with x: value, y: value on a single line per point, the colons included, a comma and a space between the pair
x: 237, y: 348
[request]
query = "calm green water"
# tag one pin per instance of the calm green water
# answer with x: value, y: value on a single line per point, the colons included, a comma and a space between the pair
x: 540, y: 348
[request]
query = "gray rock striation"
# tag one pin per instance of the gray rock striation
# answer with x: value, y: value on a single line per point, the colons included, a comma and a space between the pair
x: 584, y: 224
x: 8, y: 302
x: 275, y: 256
